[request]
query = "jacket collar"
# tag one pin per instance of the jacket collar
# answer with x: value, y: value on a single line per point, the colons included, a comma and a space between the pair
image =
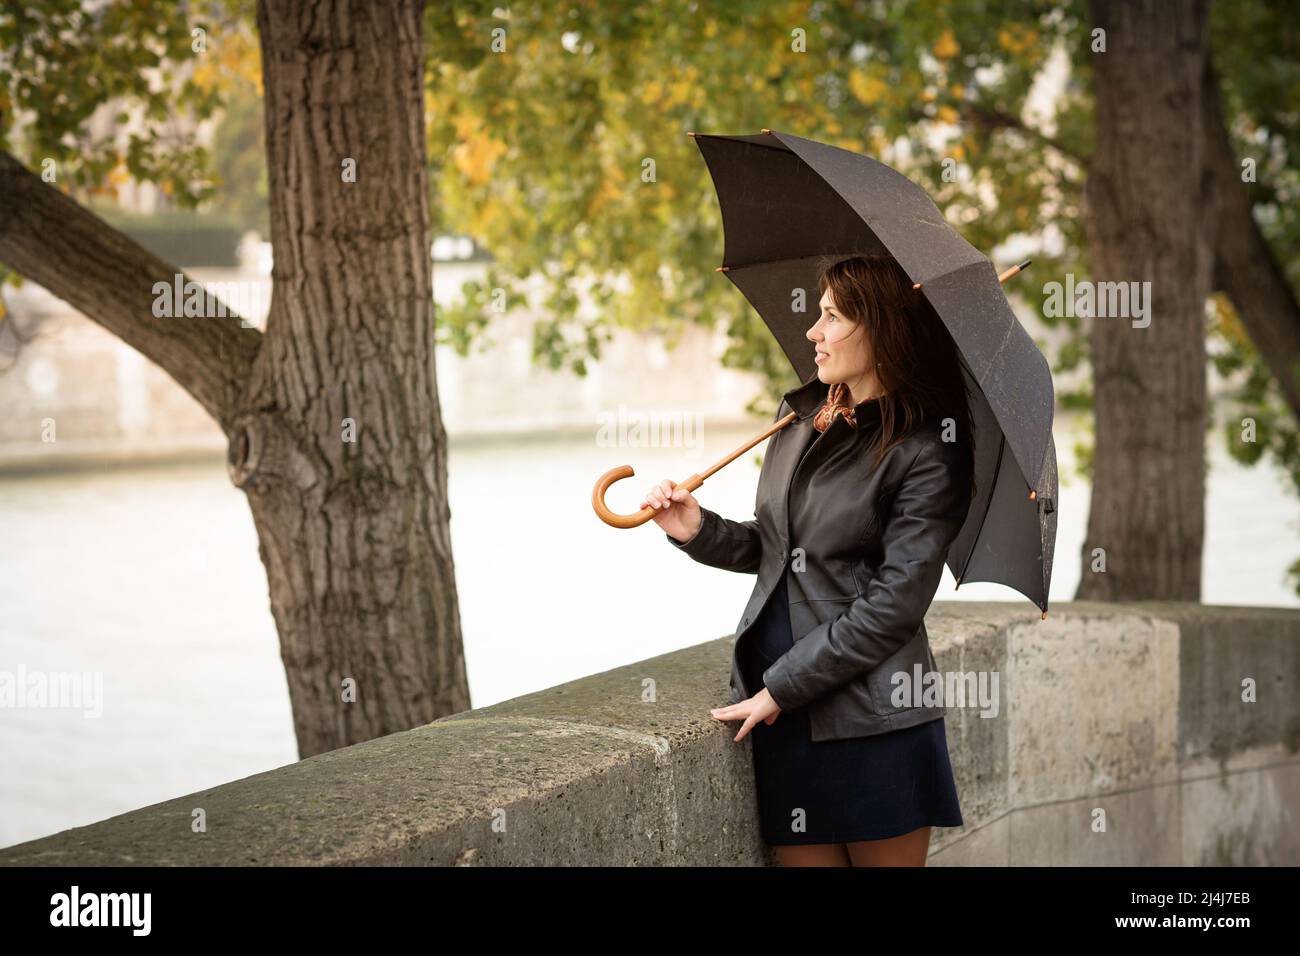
x: 811, y: 395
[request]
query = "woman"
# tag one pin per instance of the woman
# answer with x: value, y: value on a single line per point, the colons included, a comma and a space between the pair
x: 858, y: 501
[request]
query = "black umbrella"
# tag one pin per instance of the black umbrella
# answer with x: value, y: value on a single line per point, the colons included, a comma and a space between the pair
x: 789, y: 205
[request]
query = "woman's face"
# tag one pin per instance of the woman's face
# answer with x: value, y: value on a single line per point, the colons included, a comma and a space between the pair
x: 843, y: 353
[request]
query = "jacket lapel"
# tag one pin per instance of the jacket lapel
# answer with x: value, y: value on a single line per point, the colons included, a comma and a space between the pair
x: 807, y: 398
x: 790, y: 441
x: 787, y: 445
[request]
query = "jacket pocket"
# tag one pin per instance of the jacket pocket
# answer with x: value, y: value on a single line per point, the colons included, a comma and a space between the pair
x: 883, y: 681
x: 855, y: 697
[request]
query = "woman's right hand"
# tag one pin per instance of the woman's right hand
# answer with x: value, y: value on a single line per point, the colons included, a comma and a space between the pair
x: 676, y: 510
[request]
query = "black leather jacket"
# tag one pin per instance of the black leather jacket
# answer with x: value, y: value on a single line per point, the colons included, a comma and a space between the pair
x: 865, y: 548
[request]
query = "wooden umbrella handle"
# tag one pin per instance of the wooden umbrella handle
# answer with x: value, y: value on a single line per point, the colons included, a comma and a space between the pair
x: 604, y: 482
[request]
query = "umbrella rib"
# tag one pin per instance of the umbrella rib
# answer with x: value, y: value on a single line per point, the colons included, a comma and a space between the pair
x: 1002, y: 347
x: 997, y: 470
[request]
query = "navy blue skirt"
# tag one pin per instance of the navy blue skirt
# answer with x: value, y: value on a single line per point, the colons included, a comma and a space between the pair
x: 840, y: 791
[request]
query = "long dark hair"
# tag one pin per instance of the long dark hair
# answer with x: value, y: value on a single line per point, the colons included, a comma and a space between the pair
x: 920, y: 367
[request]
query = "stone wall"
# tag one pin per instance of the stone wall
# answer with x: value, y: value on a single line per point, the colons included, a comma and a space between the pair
x: 1125, y: 715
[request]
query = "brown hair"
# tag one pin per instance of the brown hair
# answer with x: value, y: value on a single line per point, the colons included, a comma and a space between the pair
x: 920, y: 368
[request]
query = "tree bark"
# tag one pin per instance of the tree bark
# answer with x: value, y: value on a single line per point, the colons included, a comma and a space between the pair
x: 354, y: 535
x: 1147, y: 222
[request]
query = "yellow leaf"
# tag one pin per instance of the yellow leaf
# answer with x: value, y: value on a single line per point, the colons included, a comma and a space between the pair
x: 945, y: 48
x: 467, y: 125
x: 1229, y: 320
x: 610, y: 185
x: 1017, y: 38
x: 680, y: 93
x: 205, y: 76
x: 866, y: 88
x: 476, y: 156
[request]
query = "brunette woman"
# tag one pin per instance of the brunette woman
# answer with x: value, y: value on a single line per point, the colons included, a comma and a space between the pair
x: 858, y: 502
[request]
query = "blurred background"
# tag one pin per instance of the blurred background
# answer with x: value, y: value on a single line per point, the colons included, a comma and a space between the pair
x: 561, y: 183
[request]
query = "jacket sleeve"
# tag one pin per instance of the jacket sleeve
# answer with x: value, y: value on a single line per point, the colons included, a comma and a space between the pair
x: 723, y: 543
x: 927, y: 514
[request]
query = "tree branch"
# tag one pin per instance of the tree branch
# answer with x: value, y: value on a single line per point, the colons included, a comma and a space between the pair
x: 992, y: 119
x: 1244, y: 265
x: 50, y: 239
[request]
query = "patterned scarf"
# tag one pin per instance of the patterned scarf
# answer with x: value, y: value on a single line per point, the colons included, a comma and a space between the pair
x: 837, y: 403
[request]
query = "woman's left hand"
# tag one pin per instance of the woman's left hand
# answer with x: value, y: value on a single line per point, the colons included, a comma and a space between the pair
x: 759, y: 707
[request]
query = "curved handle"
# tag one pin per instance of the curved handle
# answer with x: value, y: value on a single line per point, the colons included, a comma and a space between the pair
x: 638, y: 518
x: 690, y: 484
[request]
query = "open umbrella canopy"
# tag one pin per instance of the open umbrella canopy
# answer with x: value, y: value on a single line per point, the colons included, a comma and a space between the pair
x: 789, y: 206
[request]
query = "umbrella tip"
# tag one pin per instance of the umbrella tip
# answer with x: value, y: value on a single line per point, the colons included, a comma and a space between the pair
x: 1024, y: 265
x: 1033, y: 495
x: 722, y: 269
x: 1044, y: 617
x: 765, y: 130
x: 690, y: 132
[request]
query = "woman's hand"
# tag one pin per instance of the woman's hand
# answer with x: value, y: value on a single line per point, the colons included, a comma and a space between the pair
x: 676, y: 510
x: 759, y: 707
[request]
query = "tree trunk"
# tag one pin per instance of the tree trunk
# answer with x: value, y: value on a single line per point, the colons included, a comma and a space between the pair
x: 1245, y: 267
x: 354, y: 534
x: 1147, y: 222
x: 335, y: 429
